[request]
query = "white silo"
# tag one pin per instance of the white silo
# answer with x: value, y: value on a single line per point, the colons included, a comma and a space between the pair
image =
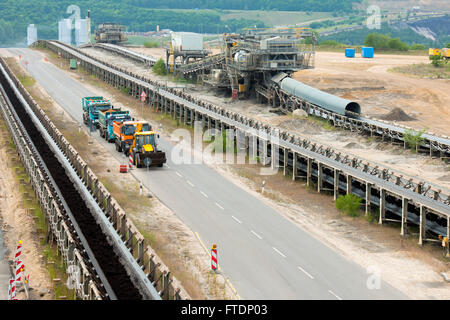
x: 65, y: 31
x: 81, y: 31
x: 31, y: 34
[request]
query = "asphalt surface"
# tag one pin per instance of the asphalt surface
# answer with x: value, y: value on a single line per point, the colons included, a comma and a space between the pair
x: 5, y: 273
x: 265, y: 255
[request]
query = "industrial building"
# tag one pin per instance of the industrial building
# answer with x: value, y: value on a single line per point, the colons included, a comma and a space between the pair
x: 82, y: 33
x: 185, y: 48
x: 250, y: 60
x: 110, y: 33
x: 65, y: 31
x: 31, y: 34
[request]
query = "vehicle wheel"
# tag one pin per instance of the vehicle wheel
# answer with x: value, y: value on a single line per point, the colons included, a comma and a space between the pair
x: 160, y: 165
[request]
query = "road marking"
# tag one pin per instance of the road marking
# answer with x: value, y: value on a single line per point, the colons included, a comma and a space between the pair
x: 334, y: 294
x: 305, y: 272
x: 178, y: 174
x: 190, y: 183
x: 204, y: 194
x: 233, y: 288
x: 167, y: 166
x: 219, y: 205
x: 238, y: 221
x: 279, y: 252
x: 257, y: 235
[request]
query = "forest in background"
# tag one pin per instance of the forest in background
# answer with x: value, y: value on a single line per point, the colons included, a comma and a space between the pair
x: 145, y: 15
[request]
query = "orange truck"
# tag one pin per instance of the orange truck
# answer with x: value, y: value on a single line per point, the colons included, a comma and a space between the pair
x: 124, y: 133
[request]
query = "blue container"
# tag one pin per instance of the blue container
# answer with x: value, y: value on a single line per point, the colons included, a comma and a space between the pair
x: 367, y: 52
x: 349, y: 52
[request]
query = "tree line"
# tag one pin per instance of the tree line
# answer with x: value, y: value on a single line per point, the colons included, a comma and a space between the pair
x: 408, y: 36
x: 145, y: 15
x: 15, y: 15
x: 281, y: 5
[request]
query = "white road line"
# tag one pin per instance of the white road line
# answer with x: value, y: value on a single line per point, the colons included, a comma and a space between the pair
x: 305, y: 272
x: 334, y: 294
x: 190, y: 183
x: 178, y: 174
x: 279, y: 252
x: 167, y: 166
x: 257, y: 235
x: 238, y: 221
x: 204, y: 194
x: 219, y: 206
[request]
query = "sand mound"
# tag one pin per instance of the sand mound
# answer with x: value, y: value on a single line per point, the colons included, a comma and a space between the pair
x: 397, y: 114
x: 353, y: 145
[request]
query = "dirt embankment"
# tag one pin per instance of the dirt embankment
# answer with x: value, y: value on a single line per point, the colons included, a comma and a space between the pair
x: 17, y: 224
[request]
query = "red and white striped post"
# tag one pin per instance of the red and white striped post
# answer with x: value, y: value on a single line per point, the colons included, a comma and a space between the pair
x: 130, y: 161
x: 19, y: 270
x: 18, y: 251
x: 12, y: 289
x: 214, y: 257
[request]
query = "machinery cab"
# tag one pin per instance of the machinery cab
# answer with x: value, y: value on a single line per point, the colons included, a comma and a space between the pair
x: 124, y: 132
x: 144, y: 142
x: 144, y: 150
x: 94, y: 107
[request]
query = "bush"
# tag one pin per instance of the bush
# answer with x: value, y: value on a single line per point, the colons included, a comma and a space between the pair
x: 417, y: 46
x: 349, y: 204
x: 437, y: 61
x: 151, y: 44
x: 125, y: 90
x: 413, y: 138
x: 160, y: 67
x: 385, y: 42
x: 332, y: 43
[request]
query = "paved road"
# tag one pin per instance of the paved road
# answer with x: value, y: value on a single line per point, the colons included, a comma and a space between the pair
x: 265, y: 255
x: 5, y: 273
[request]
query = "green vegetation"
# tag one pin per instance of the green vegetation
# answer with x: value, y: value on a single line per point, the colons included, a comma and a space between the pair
x: 282, y: 5
x: 139, y: 16
x: 383, y: 42
x: 160, y: 68
x: 417, y: 47
x: 349, y: 204
x: 437, y: 61
x: 151, y: 44
x: 141, y: 40
x: 331, y: 44
x: 124, y: 90
x: 396, y: 44
x: 413, y: 138
x: 26, y: 80
x: 275, y: 18
x: 407, y: 36
x: 352, y: 20
x: 223, y: 144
